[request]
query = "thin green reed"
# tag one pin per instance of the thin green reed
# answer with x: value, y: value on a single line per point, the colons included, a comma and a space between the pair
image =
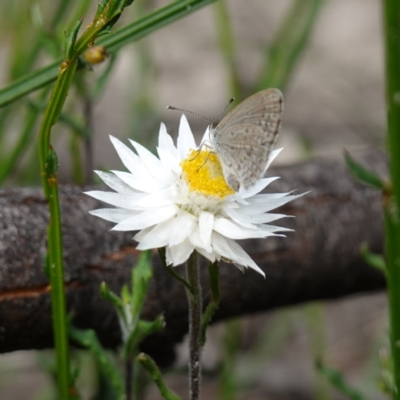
x: 284, y: 52
x: 227, y: 46
x: 106, y: 13
x: 113, y: 42
x: 106, y: 16
x: 391, y: 14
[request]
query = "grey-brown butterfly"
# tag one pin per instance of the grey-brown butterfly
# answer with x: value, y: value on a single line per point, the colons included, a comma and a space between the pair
x: 244, y: 138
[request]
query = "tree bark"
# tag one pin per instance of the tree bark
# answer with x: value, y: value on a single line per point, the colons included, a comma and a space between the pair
x: 320, y: 260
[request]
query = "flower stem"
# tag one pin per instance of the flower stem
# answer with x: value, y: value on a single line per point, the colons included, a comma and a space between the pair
x: 391, y: 12
x: 128, y: 378
x: 195, y: 315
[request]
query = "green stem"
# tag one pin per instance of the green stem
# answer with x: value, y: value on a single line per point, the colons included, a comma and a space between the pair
x: 392, y: 32
x: 391, y: 13
x: 289, y: 43
x: 212, y: 307
x: 50, y: 187
x: 58, y: 303
x: 226, y: 41
x: 195, y: 314
x: 393, y: 282
x: 128, y: 379
x: 51, y: 115
x: 151, y: 367
x: 113, y: 42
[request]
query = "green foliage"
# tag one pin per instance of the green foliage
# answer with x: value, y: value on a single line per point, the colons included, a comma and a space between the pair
x: 144, y: 26
x: 147, y: 362
x: 129, y: 306
x: 88, y: 339
x: 374, y: 260
x: 71, y: 40
x: 280, y: 61
x: 335, y: 377
x: 283, y: 55
x: 363, y: 174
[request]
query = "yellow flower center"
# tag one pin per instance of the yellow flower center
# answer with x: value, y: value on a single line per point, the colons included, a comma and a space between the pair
x: 203, y: 172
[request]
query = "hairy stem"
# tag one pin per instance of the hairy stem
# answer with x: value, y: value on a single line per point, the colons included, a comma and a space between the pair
x: 195, y: 314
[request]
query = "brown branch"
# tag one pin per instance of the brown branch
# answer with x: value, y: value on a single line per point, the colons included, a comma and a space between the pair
x: 320, y: 260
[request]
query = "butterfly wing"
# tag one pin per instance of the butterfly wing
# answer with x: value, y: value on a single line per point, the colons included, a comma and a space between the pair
x: 259, y: 109
x: 244, y: 139
x: 243, y: 152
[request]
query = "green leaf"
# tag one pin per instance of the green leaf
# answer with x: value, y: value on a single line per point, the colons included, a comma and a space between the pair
x: 335, y: 377
x: 108, y: 295
x: 115, y: 9
x: 125, y: 295
x: 138, y: 29
x: 151, y: 367
x: 143, y: 329
x: 141, y: 276
x: 363, y: 174
x: 88, y: 339
x: 374, y: 260
x: 71, y: 39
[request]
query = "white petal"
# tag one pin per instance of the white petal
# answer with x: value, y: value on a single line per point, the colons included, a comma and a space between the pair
x: 169, y: 161
x: 262, y: 198
x: 243, y: 258
x: 156, y: 237
x: 199, y: 243
x: 182, y: 227
x: 147, y: 218
x: 211, y: 256
x: 131, y: 160
x: 140, y: 180
x: 166, y: 143
x: 269, y: 205
x: 221, y: 246
x: 266, y: 218
x: 116, y: 199
x: 233, y: 231
x: 206, y: 225
x: 181, y: 252
x: 157, y: 199
x: 240, y: 218
x: 113, y: 214
x: 140, y: 235
x: 206, y: 139
x: 232, y: 251
x: 115, y: 183
x: 273, y: 229
x: 185, y: 139
x: 272, y: 157
x: 261, y: 184
x: 152, y: 163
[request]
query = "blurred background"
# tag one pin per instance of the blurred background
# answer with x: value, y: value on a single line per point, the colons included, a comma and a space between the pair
x: 328, y: 58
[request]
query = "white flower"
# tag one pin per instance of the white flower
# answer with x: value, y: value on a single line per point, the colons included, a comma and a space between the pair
x: 180, y: 201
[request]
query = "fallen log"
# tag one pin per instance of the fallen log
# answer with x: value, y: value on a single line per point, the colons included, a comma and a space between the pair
x: 320, y: 260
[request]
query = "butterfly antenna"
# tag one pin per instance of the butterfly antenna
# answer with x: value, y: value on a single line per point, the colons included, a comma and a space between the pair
x: 190, y: 112
x: 229, y: 103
